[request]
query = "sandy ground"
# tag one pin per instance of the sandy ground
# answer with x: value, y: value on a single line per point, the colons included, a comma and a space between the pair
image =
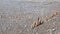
x: 16, y: 17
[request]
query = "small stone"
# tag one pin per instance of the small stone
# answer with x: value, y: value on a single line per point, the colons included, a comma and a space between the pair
x: 28, y: 16
x: 25, y: 26
x: 9, y: 17
x: 46, y: 16
x: 54, y: 23
x: 49, y: 19
x: 53, y: 29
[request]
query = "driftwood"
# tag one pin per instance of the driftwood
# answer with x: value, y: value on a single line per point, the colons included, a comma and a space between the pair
x: 37, y: 23
x: 41, y: 21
